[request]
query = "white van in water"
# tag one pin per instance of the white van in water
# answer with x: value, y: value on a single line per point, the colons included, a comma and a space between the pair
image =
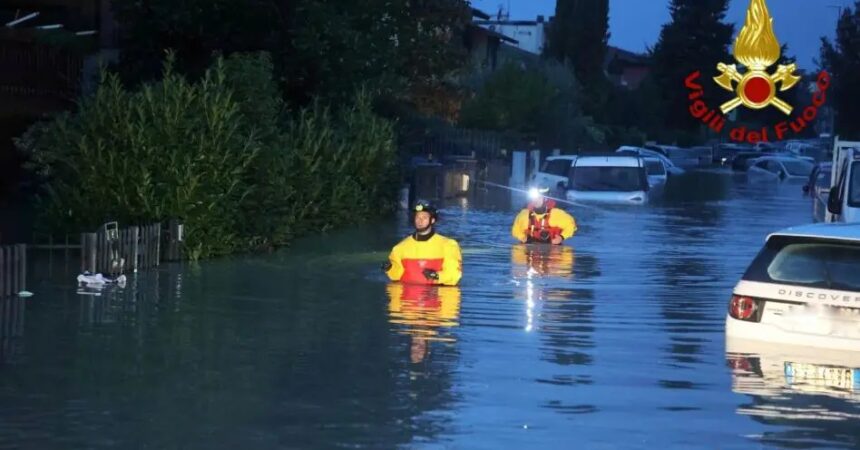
x: 803, y: 288
x: 611, y: 178
x: 843, y: 203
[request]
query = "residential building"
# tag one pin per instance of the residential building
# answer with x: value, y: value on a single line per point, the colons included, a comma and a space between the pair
x: 483, y: 44
x: 531, y: 35
x: 625, y: 68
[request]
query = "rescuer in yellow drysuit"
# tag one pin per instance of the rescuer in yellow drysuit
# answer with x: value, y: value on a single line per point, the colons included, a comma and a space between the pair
x: 425, y: 257
x: 542, y: 222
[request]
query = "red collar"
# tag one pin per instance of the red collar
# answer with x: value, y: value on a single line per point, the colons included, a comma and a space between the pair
x: 550, y: 204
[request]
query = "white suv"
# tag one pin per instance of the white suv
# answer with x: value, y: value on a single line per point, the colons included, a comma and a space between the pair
x: 803, y: 288
x: 554, y: 172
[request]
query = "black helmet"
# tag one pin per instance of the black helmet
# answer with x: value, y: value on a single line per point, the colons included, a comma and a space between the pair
x: 424, y: 205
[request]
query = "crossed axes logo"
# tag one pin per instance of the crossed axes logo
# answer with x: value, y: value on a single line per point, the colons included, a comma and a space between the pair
x: 757, y: 48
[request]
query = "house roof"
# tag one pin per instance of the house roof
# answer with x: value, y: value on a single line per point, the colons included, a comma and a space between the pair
x: 511, y: 54
x: 480, y: 14
x: 625, y: 56
x: 507, y: 22
x: 516, y: 53
x: 492, y: 33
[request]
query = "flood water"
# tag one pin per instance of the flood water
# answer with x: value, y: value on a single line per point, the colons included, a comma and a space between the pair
x: 613, y: 341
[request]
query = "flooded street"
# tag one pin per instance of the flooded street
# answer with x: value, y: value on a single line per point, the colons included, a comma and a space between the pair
x: 614, y: 340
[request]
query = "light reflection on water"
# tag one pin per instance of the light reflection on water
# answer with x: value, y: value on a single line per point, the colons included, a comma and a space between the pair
x: 614, y: 340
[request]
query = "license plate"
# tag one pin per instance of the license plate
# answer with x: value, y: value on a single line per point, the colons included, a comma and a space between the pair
x: 823, y: 376
x: 837, y: 322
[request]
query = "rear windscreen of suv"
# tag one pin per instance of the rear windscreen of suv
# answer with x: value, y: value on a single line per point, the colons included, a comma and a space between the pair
x: 799, y: 261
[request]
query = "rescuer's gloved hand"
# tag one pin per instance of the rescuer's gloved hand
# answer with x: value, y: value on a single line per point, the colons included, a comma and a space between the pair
x: 430, y: 274
x: 386, y: 266
x: 544, y: 235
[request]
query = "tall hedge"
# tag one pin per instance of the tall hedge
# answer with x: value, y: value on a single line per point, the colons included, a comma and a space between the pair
x: 221, y: 154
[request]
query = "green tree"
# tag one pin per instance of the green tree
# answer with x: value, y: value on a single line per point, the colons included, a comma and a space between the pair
x: 512, y: 99
x: 194, y: 30
x: 695, y: 39
x: 565, y: 124
x: 321, y: 48
x: 170, y: 150
x: 539, y: 102
x: 399, y: 47
x: 842, y: 60
x: 579, y: 34
x: 218, y: 154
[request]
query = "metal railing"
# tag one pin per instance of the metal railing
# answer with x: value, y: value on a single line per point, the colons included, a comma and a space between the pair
x: 464, y: 142
x: 113, y: 250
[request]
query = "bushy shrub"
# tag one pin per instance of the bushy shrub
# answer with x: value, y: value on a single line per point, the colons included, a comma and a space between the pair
x: 170, y: 150
x: 219, y: 154
x: 330, y: 168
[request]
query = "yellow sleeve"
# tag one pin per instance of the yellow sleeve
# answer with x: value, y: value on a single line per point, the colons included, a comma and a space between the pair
x: 452, y: 264
x: 521, y: 223
x: 396, y: 270
x: 560, y: 218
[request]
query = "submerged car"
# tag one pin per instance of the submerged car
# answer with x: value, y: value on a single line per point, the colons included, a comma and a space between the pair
x: 656, y: 171
x: 671, y: 168
x: 741, y: 161
x: 817, y: 188
x: 803, y: 288
x: 780, y: 167
x: 609, y: 178
x: 554, y: 171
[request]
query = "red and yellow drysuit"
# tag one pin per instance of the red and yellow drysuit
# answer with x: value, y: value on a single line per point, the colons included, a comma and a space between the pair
x: 416, y: 253
x: 556, y: 222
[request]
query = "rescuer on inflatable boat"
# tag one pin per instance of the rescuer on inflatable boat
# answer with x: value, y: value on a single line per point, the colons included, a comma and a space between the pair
x: 425, y: 257
x: 542, y: 222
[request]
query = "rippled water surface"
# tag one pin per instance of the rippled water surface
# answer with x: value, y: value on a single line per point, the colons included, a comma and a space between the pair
x: 614, y: 340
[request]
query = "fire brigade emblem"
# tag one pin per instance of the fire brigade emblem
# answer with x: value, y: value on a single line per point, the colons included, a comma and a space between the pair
x: 756, y: 49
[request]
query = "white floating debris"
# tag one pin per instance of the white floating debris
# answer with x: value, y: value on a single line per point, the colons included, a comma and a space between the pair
x: 98, y: 280
x: 25, y: 294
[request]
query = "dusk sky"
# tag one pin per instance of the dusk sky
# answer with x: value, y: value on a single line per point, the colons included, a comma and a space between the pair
x: 635, y: 24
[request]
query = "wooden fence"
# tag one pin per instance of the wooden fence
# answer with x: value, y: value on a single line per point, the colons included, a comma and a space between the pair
x: 13, y: 269
x: 113, y: 250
